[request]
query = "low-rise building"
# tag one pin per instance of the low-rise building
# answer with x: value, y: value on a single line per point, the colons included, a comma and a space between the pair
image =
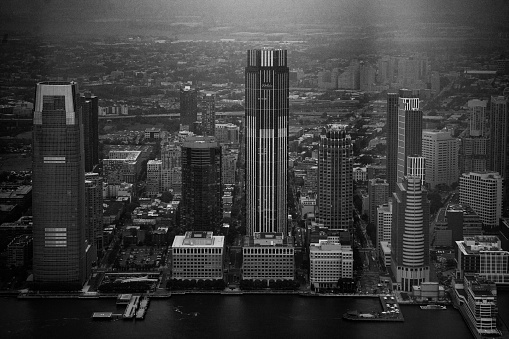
x: 268, y: 256
x: 329, y: 262
x: 197, y: 255
x: 483, y: 255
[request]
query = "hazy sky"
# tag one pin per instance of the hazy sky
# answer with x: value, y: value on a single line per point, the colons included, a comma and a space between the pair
x: 359, y: 12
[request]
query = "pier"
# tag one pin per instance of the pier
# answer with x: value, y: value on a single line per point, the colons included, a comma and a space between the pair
x: 130, y: 310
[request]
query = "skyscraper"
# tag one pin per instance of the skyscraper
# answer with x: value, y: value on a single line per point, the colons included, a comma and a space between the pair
x: 188, y: 106
x: 208, y: 118
x: 200, y: 208
x: 58, y: 185
x: 267, y: 114
x: 90, y: 111
x: 499, y: 139
x: 410, y: 233
x: 378, y: 195
x: 409, y: 131
x: 94, y: 210
x: 473, y: 152
x: 335, y: 182
x: 392, y: 140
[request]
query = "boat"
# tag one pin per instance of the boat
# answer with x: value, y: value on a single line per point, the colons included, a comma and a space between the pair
x: 372, y: 316
x: 433, y: 307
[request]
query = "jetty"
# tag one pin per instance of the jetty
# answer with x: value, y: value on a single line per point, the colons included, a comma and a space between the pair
x: 130, y: 310
x: 140, y: 314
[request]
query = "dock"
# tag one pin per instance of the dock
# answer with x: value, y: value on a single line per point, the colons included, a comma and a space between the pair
x: 105, y: 316
x: 130, y: 310
x: 390, y: 312
x: 140, y: 314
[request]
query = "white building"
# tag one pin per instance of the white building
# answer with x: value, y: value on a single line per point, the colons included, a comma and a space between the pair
x: 171, y: 160
x: 359, y: 174
x: 383, y: 223
x: 483, y: 192
x: 267, y: 256
x: 329, y: 262
x: 483, y: 255
x: 441, y: 152
x: 197, y: 255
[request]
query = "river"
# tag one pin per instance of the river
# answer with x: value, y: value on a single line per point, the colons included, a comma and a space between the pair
x: 219, y: 316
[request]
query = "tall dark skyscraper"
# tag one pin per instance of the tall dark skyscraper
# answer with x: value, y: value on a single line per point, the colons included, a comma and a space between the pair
x: 90, y: 111
x: 188, y: 106
x: 208, y: 117
x: 410, y: 233
x: 94, y: 210
x: 409, y: 131
x: 201, y: 205
x: 335, y: 178
x: 267, y: 114
x: 58, y: 185
x: 499, y: 143
x: 392, y: 140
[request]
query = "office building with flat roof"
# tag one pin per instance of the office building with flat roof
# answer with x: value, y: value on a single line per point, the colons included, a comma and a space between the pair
x: 483, y: 256
x: 188, y: 106
x: 268, y: 256
x: 483, y: 192
x: 197, y: 255
x: 328, y: 263
x: 208, y: 117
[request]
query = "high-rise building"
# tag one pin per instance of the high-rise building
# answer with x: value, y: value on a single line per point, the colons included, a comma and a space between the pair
x: 208, y: 117
x: 392, y: 140
x: 94, y: 210
x: 483, y: 192
x: 170, y: 167
x: 499, y: 141
x: 267, y: 114
x: 410, y: 234
x: 416, y: 167
x: 90, y: 111
x: 58, y: 185
x: 455, y: 222
x: 477, y: 109
x: 441, y: 152
x: 329, y: 262
x: 384, y: 223
x: 227, y: 133
x: 153, y: 177
x: 200, y: 207
x: 409, y: 131
x: 335, y: 182
x: 378, y: 195
x: 188, y: 106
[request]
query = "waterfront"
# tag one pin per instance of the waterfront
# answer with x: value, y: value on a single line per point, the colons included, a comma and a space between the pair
x: 217, y: 316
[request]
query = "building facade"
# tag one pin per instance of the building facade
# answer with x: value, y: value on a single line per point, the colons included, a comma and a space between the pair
x: 197, y: 255
x: 409, y: 131
x: 392, y: 140
x: 200, y: 207
x: 268, y: 256
x: 441, y: 152
x: 335, y: 182
x: 94, y: 210
x: 188, y: 106
x: 266, y: 133
x: 90, y: 110
x: 58, y: 185
x: 410, y: 234
x: 208, y: 117
x: 329, y: 262
x: 153, y: 177
x: 483, y: 192
x: 378, y: 195
x: 383, y: 223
